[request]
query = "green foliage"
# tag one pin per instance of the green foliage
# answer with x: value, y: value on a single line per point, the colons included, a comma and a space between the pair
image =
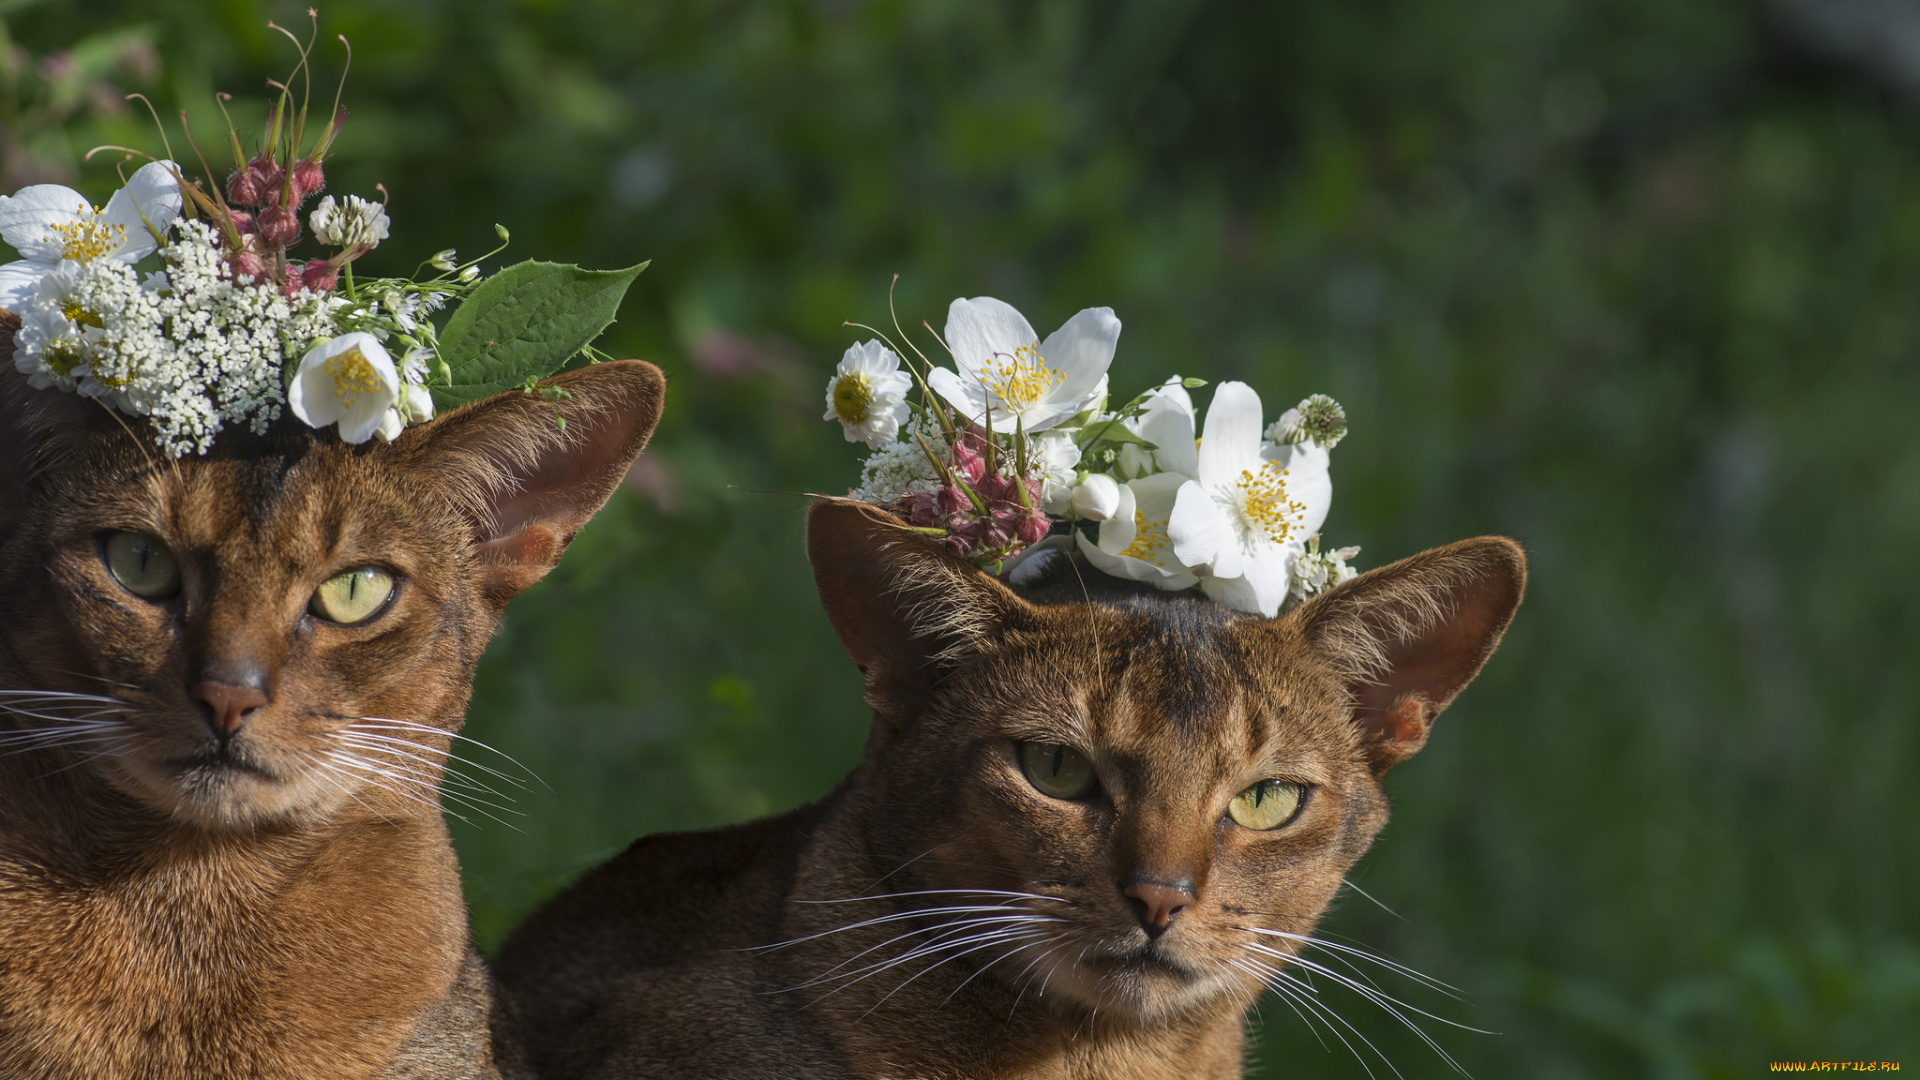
x: 523, y: 323
x: 1587, y: 274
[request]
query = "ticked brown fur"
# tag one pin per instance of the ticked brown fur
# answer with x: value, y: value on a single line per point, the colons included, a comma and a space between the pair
x: 284, y: 903
x: 938, y: 916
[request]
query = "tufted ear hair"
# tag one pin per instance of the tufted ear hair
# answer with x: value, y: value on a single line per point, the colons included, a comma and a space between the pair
x: 905, y: 610
x: 528, y: 471
x: 1407, y: 637
x: 35, y: 427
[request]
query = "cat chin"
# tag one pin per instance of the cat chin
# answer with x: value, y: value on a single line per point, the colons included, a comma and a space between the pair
x: 224, y: 796
x: 1143, y: 987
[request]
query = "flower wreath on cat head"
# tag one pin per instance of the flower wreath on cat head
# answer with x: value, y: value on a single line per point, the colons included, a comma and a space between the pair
x: 200, y: 309
x: 1016, y: 450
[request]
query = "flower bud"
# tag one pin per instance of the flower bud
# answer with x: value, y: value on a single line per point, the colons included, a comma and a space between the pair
x: 308, y: 179
x: 265, y: 175
x: 416, y: 403
x: 319, y: 275
x: 1096, y: 498
x: 242, y: 190
x: 1033, y: 527
x: 279, y: 226
x: 248, y: 267
x: 968, y: 463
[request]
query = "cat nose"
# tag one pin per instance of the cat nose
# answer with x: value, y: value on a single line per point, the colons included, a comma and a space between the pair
x: 1156, y: 904
x: 230, y: 706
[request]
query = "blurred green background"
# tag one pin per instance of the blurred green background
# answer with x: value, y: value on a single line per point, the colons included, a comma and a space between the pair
x: 1633, y: 281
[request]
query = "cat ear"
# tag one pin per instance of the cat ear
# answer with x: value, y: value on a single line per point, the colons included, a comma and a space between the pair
x: 1409, y: 636
x: 904, y: 608
x: 529, y: 469
x: 34, y: 426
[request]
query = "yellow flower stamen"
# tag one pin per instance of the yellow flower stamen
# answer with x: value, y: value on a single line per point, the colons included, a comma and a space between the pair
x: 1150, y: 541
x: 88, y: 236
x: 1022, y: 378
x: 80, y: 316
x: 62, y: 358
x: 1266, y: 503
x: 853, y: 397
x: 353, y: 375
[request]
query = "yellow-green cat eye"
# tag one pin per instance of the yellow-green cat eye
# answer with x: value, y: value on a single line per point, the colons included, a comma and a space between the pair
x: 1056, y: 770
x: 142, y: 564
x: 1268, y: 804
x: 353, y: 597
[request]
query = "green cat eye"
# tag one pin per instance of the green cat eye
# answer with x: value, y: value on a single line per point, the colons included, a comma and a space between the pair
x: 142, y: 564
x: 1057, y: 771
x: 1268, y: 804
x: 353, y: 597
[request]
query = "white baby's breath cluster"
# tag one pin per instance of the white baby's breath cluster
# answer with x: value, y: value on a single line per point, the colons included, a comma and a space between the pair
x: 1017, y: 443
x: 189, y: 347
x: 896, y: 468
x: 205, y: 343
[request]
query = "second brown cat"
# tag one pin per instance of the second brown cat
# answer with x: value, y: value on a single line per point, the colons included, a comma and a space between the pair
x: 1094, y: 823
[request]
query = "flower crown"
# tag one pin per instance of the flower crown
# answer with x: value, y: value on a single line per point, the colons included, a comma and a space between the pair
x: 1015, y: 451
x: 230, y: 329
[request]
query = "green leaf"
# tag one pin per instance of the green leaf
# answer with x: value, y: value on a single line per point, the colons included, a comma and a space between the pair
x: 1112, y: 431
x: 523, y: 323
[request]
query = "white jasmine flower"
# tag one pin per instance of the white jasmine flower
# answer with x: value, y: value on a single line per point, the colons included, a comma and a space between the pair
x: 1008, y: 378
x: 1097, y: 498
x: 1053, y: 458
x: 868, y: 394
x: 1167, y: 421
x: 1134, y: 541
x: 1318, y: 419
x: 356, y: 223
x: 349, y: 380
x: 51, y: 224
x: 1250, y: 511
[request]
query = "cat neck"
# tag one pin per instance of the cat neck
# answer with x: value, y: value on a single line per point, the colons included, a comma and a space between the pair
x: 145, y: 946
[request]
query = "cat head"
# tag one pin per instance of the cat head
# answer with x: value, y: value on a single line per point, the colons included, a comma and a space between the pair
x: 288, y: 625
x: 1145, y: 799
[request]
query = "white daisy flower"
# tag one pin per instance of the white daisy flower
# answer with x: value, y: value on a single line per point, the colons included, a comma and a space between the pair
x: 868, y: 394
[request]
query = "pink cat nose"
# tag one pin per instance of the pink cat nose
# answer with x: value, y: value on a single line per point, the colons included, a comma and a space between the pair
x: 231, y: 706
x: 1156, y: 904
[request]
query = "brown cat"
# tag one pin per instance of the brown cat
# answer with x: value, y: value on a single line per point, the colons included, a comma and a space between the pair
x: 1093, y: 820
x: 228, y: 686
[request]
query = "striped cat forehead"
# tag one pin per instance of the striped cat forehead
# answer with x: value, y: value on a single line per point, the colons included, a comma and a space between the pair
x: 1150, y: 669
